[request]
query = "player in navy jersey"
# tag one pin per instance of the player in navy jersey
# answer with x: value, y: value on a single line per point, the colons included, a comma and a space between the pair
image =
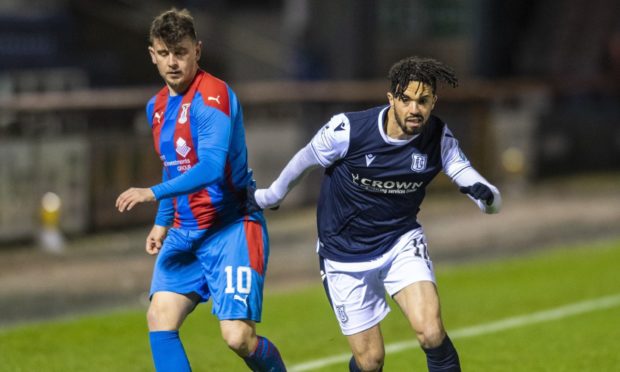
x: 378, y: 164
x: 209, y: 244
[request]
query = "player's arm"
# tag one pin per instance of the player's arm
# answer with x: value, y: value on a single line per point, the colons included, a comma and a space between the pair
x: 301, y: 164
x: 329, y: 144
x: 134, y: 195
x: 214, y: 130
x: 163, y: 221
x: 470, y: 182
x: 478, y: 189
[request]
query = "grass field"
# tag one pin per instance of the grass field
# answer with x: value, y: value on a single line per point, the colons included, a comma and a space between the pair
x: 554, y: 310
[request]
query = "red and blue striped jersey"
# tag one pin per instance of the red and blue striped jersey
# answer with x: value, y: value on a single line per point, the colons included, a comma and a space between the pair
x: 200, y: 139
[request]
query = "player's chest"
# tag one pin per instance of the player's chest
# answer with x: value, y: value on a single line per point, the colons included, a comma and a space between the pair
x: 395, y: 162
x: 175, y: 134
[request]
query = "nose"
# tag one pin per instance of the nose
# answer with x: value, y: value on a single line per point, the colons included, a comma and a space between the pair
x: 172, y: 60
x: 414, y: 107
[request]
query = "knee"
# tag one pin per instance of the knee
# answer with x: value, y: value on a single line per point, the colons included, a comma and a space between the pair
x: 240, y: 340
x: 161, y: 318
x: 431, y: 335
x: 168, y: 310
x: 370, y: 361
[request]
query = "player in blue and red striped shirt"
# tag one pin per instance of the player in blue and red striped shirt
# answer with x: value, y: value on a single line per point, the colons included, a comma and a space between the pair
x: 209, y: 245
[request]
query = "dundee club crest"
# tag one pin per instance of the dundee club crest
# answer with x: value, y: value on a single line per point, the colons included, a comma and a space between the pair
x: 342, y: 314
x: 418, y: 162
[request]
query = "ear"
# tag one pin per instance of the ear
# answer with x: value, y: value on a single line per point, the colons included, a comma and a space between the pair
x: 435, y: 97
x: 153, y: 55
x: 390, y: 97
x: 198, y: 50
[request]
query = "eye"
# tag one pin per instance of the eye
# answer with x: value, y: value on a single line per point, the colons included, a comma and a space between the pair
x: 181, y: 52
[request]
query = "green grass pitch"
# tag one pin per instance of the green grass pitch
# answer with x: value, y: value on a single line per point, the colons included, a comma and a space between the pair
x: 302, y: 325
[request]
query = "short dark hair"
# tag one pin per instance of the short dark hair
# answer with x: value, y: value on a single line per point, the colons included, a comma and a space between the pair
x: 172, y: 26
x: 425, y: 70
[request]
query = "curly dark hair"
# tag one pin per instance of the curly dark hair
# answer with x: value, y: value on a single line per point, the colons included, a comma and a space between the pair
x: 172, y: 26
x: 425, y: 70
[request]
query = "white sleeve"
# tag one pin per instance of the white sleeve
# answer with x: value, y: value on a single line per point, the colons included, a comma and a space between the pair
x: 301, y: 164
x: 328, y: 145
x: 331, y: 142
x: 459, y: 169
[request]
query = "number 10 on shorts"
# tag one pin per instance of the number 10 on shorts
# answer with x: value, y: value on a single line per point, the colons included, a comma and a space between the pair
x: 244, y: 279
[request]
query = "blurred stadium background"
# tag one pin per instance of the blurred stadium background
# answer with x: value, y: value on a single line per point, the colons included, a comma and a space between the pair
x: 537, y: 112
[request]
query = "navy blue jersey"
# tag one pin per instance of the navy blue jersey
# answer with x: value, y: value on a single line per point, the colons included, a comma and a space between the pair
x: 374, y: 185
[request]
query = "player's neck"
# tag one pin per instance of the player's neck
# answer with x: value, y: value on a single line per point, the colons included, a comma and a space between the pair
x: 177, y: 90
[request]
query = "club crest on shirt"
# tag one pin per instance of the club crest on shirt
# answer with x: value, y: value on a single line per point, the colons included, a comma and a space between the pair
x: 183, y: 117
x: 342, y: 314
x: 418, y: 162
x: 182, y: 148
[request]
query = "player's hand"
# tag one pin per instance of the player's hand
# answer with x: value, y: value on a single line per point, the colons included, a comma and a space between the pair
x: 155, y: 239
x: 130, y: 197
x: 479, y: 191
x: 251, y: 204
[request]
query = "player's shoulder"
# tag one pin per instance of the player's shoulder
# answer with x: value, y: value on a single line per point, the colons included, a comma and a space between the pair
x: 335, y: 130
x: 370, y: 115
x: 162, y: 94
x: 364, y: 124
x: 151, y: 103
x: 436, y: 126
x: 157, y: 103
x: 215, y: 93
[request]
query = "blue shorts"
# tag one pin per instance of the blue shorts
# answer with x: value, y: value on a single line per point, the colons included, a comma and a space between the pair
x: 227, y: 265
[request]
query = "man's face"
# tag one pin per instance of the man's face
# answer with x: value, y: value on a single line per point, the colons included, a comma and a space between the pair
x: 177, y: 64
x: 412, y: 110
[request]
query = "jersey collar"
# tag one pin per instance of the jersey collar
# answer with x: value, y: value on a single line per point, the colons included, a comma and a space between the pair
x: 386, y: 138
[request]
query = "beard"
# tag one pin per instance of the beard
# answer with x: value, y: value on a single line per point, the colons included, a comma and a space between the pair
x: 402, y: 123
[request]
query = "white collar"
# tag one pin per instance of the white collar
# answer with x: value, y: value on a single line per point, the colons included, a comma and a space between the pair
x: 386, y: 138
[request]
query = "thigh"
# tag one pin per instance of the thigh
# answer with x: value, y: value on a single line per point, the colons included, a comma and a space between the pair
x: 177, y: 269
x: 234, y: 260
x: 357, y: 296
x: 410, y: 263
x: 420, y: 304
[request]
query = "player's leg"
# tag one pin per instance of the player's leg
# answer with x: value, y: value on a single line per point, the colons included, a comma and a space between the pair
x: 410, y: 280
x: 357, y: 296
x: 420, y: 304
x: 236, y: 259
x: 165, y: 315
x: 177, y: 282
x: 168, y: 310
x: 258, y: 352
x: 368, y: 350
